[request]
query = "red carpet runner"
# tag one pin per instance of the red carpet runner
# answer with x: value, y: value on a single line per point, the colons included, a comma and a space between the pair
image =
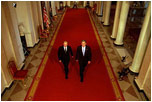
x: 99, y: 80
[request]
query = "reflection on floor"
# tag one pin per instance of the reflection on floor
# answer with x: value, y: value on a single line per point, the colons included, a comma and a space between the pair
x: 18, y: 92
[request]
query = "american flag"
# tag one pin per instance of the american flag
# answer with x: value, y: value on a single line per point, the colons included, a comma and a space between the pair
x: 45, y: 17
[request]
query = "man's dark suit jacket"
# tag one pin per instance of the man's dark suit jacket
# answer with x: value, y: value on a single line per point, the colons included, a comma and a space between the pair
x: 64, y: 56
x: 86, y: 57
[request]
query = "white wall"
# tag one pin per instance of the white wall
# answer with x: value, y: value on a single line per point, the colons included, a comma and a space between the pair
x: 3, y: 81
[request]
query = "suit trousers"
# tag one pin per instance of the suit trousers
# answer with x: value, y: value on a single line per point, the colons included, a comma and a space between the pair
x: 66, y: 69
x: 82, y: 68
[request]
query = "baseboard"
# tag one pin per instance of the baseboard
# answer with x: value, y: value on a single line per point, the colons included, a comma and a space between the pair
x: 10, y: 84
x: 37, y: 41
x: 31, y: 46
x: 118, y: 45
x: 99, y: 15
x: 139, y: 90
x: 112, y: 38
x: 21, y: 65
x: 35, y: 44
x: 106, y: 25
x: 7, y: 87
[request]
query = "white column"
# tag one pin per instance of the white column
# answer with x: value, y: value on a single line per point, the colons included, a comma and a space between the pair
x: 91, y: 3
x: 7, y: 49
x: 35, y: 20
x: 116, y: 20
x: 143, y: 80
x: 122, y: 23
x: 57, y: 4
x: 53, y: 8
x: 68, y: 3
x: 142, y: 42
x: 99, y: 7
x: 104, y: 11
x: 102, y: 8
x: 39, y: 9
x: 107, y: 13
x: 6, y: 77
x: 31, y: 23
x: 12, y: 24
x: 64, y: 3
x: 84, y: 3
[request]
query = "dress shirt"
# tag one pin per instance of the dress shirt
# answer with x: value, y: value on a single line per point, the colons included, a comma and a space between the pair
x: 65, y: 49
x: 83, y: 50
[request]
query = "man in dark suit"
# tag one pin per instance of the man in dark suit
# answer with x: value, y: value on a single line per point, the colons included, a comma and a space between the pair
x: 75, y: 5
x: 83, y: 56
x: 64, y: 56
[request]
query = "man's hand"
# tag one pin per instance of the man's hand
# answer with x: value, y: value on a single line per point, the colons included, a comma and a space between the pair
x: 76, y: 60
x: 60, y: 61
x: 72, y: 56
x: 89, y: 62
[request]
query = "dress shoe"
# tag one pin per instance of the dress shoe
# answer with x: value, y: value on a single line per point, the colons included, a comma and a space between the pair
x: 66, y: 77
x: 81, y: 80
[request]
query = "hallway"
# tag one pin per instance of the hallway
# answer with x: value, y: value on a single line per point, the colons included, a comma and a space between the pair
x: 76, y: 27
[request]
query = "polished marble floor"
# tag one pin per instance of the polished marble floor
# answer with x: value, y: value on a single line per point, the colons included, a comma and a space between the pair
x: 18, y: 91
x: 128, y: 87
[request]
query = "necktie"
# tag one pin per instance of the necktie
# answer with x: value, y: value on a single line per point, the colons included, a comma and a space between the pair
x: 65, y: 49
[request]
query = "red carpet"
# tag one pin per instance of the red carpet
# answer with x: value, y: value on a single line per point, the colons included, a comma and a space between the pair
x: 52, y: 85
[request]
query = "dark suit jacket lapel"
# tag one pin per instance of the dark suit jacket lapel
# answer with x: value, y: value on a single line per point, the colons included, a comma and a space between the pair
x: 81, y: 50
x: 67, y: 48
x: 86, y: 49
x: 63, y: 48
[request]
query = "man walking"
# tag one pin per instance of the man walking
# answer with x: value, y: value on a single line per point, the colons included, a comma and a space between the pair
x: 83, y: 56
x: 64, y: 56
x: 75, y: 5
